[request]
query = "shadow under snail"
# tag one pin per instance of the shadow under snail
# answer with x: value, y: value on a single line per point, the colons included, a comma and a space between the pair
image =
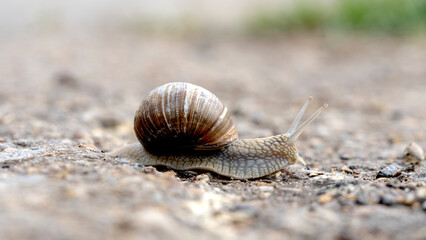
x: 184, y: 126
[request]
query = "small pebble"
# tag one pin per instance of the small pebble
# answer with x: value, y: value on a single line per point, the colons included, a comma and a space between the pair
x: 413, y: 153
x: 315, y: 173
x: 150, y: 170
x: 140, y: 165
x: 410, y: 168
x: 124, y: 162
x: 345, y: 156
x: 346, y: 169
x: 88, y: 146
x: 9, y: 149
x: 397, y: 115
x: 341, y: 184
x: 49, y: 154
x: 202, y: 178
x: 262, y: 184
x: 421, y: 194
x: 66, y: 79
x: 169, y: 173
x: 393, y: 183
x: 392, y: 170
x: 23, y: 143
x: 325, y: 198
x: 408, y: 200
x: 382, y: 179
x: 394, y: 139
x: 110, y: 121
x: 388, y: 200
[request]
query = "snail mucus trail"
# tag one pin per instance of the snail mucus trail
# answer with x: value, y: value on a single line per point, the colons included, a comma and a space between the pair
x: 184, y: 126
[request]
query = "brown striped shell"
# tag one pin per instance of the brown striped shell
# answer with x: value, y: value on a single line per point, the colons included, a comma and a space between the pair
x: 183, y: 116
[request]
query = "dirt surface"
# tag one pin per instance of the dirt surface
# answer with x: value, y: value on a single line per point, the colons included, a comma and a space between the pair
x: 67, y: 100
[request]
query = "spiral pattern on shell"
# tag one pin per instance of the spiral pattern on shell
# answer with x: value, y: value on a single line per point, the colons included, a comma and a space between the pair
x: 183, y: 116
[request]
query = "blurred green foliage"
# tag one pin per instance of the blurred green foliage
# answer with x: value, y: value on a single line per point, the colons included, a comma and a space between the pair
x: 369, y: 16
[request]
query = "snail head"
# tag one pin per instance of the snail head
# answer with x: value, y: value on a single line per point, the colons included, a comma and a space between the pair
x: 296, y: 129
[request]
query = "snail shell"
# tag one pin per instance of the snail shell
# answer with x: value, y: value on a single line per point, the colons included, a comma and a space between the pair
x: 182, y: 116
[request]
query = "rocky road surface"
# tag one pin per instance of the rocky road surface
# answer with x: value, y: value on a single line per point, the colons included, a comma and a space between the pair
x: 66, y: 100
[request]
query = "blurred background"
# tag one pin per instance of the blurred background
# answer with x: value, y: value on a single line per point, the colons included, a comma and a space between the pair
x: 186, y: 17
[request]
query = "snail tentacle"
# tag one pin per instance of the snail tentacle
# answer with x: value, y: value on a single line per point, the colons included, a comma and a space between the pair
x: 296, y: 130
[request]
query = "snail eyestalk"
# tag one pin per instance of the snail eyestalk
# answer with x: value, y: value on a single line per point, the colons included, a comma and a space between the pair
x: 300, y: 159
x: 299, y: 116
x: 296, y: 129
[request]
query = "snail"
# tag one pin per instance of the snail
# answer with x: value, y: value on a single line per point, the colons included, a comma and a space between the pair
x: 184, y: 126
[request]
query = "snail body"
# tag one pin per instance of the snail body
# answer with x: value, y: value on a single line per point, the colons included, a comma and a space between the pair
x: 184, y: 126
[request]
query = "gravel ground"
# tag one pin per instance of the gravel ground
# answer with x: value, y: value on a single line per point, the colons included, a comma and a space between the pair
x: 66, y: 100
